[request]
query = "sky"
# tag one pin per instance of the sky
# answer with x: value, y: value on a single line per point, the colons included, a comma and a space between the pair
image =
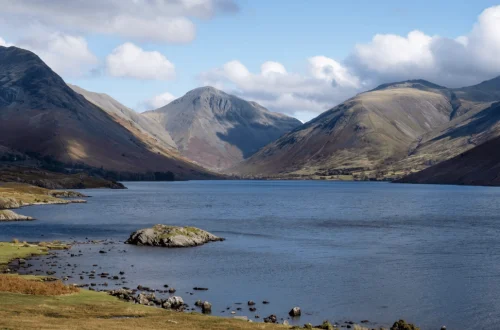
x: 295, y: 57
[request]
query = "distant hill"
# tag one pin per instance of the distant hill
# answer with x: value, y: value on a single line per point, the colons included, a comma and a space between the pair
x: 41, y: 115
x: 394, y: 129
x: 218, y: 130
x: 478, y: 166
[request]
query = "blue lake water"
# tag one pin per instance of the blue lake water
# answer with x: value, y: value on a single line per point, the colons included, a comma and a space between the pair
x: 340, y: 251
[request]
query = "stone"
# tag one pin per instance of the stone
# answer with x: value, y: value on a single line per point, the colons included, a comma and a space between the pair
x: 174, y: 302
x: 294, y: 312
x: 251, y: 303
x: 271, y: 319
x: 206, y: 307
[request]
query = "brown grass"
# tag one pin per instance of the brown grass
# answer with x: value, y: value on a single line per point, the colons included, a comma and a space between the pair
x: 17, y: 284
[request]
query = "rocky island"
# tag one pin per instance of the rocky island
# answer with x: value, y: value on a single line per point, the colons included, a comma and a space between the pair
x: 172, y: 236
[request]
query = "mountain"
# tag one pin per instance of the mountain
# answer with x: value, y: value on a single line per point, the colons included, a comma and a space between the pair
x: 218, y: 130
x: 393, y: 129
x: 127, y: 117
x: 41, y: 115
x: 478, y: 166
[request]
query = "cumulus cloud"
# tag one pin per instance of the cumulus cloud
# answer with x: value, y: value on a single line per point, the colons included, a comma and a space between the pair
x: 151, y: 20
x: 129, y: 60
x: 289, y: 92
x: 453, y: 62
x: 159, y: 101
x: 66, y: 54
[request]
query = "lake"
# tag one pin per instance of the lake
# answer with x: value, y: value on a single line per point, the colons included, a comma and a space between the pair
x: 339, y: 250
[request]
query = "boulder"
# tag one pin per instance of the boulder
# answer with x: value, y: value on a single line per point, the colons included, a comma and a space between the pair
x: 174, y: 302
x: 294, y: 312
x: 171, y: 236
x: 206, y: 307
x: 271, y: 319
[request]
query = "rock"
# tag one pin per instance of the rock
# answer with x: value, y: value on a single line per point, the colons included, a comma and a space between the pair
x: 402, y: 325
x: 22, y: 261
x: 265, y: 302
x: 171, y: 236
x: 294, y: 312
x: 200, y: 289
x: 252, y: 309
x: 308, y: 326
x: 171, y: 290
x: 198, y: 303
x: 206, y: 307
x: 174, y: 302
x: 102, y: 251
x: 271, y: 319
x: 8, y: 215
x: 251, y: 303
x: 443, y: 327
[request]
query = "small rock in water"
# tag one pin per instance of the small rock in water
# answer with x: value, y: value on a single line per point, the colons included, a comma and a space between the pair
x: 200, y: 289
x: 206, y: 307
x: 251, y: 303
x: 294, y: 312
x: 271, y: 319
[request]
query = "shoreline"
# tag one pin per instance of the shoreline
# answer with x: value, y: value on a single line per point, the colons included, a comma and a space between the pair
x: 102, y: 279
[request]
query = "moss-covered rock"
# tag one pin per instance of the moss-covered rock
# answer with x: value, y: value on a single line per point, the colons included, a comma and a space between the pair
x: 171, y: 236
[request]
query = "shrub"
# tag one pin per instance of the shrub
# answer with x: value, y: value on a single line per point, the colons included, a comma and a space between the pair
x: 17, y: 284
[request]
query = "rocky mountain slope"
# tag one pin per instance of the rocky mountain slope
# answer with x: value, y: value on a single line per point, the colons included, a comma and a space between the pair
x: 218, y: 130
x: 40, y: 114
x: 127, y: 117
x: 393, y: 129
x: 478, y: 166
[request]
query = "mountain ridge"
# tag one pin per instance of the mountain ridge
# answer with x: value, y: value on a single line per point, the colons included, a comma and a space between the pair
x: 217, y: 129
x: 41, y: 114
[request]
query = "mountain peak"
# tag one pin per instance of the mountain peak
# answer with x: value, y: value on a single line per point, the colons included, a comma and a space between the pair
x: 413, y: 83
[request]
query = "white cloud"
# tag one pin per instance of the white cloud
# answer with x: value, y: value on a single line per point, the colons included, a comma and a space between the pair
x: 4, y: 43
x: 159, y: 101
x: 129, y: 60
x: 452, y: 62
x: 151, y: 20
x: 288, y: 92
x: 66, y: 54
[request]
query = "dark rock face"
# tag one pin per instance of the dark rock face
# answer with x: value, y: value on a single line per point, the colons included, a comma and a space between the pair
x: 171, y: 236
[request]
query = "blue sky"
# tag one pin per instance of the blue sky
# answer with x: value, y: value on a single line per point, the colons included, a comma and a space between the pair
x: 287, y: 32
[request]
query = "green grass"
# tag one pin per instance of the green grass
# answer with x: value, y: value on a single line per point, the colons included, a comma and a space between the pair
x: 11, y: 251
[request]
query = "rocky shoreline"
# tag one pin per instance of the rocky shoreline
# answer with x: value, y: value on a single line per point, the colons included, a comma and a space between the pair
x: 16, y: 195
x: 116, y: 282
x: 7, y: 215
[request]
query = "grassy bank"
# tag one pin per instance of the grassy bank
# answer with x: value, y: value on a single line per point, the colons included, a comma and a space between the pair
x: 14, y: 195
